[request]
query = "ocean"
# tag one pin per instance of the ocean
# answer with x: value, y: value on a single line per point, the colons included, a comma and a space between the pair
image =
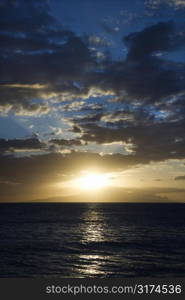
x: 92, y: 240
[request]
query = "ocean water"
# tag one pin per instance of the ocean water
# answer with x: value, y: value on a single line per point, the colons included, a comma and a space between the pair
x: 92, y: 240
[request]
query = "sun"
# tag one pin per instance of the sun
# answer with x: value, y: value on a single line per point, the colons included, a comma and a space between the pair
x: 92, y: 181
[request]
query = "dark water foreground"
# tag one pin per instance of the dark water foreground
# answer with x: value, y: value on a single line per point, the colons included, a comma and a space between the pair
x: 92, y: 240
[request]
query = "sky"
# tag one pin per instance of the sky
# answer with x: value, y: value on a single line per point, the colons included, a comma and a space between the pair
x: 92, y: 89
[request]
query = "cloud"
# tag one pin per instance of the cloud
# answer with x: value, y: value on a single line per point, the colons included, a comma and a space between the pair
x: 149, y: 142
x: 12, y: 145
x: 137, y: 77
x: 62, y: 142
x: 126, y: 117
x: 34, y: 144
x: 20, y: 16
x: 72, y: 106
x: 19, y: 98
x: 151, y: 39
x: 64, y: 65
x: 36, y: 51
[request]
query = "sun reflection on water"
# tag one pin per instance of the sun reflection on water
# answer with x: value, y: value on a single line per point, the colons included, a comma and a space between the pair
x: 93, y: 227
x: 93, y: 234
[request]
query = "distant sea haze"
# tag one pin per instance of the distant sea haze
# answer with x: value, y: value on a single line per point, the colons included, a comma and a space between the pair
x: 92, y: 240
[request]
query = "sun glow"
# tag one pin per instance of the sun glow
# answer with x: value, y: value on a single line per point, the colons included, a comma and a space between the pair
x: 93, y: 181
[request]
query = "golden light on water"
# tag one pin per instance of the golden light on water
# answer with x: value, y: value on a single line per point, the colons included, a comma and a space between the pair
x: 93, y: 231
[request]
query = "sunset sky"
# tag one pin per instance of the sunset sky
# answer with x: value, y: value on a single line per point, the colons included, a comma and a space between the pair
x: 92, y: 100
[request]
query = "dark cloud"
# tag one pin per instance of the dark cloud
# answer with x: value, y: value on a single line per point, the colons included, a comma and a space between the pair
x: 32, y: 143
x: 92, y: 108
x: 91, y: 118
x: 127, y: 117
x: 144, y: 77
x: 19, y: 99
x: 153, y: 142
x: 35, y: 49
x: 62, y: 142
x: 151, y: 80
x: 142, y: 44
x: 25, y: 16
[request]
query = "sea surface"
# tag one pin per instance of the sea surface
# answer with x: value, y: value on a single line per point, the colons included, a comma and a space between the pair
x: 92, y: 240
